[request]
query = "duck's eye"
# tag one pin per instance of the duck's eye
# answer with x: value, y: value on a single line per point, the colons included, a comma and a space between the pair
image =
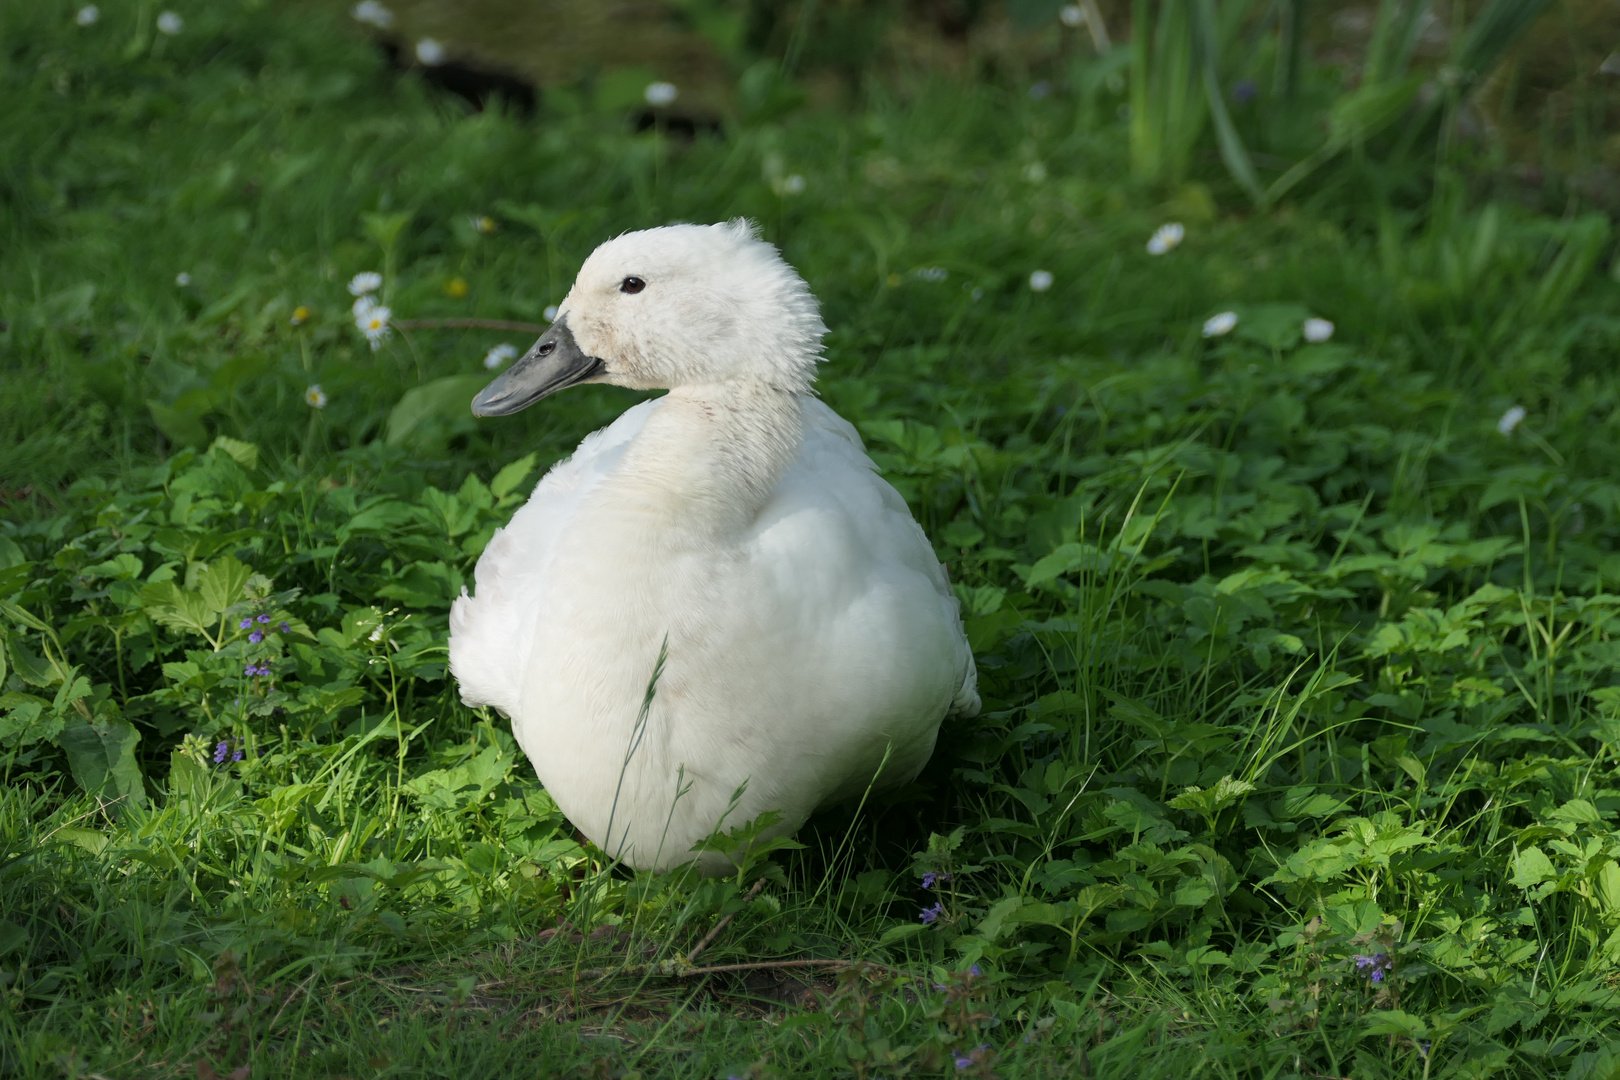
x: 632, y: 285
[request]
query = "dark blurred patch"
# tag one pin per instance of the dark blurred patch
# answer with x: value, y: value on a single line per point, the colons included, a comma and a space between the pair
x: 683, y: 127
x: 480, y: 85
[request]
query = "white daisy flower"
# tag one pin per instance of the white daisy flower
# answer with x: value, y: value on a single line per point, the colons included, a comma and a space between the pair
x: 87, y: 15
x: 372, y: 320
x: 661, y: 94
x: 1165, y: 237
x: 368, y: 281
x: 1040, y: 280
x: 1511, y: 420
x: 1318, y: 330
x: 170, y: 23
x: 431, y: 52
x: 373, y: 14
x: 550, y: 313
x: 315, y: 397
x: 1217, y: 325
x: 500, y: 354
x: 182, y: 279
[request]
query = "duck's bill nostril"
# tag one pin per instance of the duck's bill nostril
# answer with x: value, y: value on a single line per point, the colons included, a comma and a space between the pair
x: 555, y: 362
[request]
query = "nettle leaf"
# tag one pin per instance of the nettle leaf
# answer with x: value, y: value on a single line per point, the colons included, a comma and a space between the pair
x: 179, y: 609
x: 27, y: 721
x: 223, y: 583
x: 1210, y: 801
x: 507, y: 480
x: 1395, y: 1022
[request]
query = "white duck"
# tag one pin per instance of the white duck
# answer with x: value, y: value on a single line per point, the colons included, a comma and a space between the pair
x: 809, y: 627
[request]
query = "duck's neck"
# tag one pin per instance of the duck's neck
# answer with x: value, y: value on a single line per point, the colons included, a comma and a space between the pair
x: 710, y: 456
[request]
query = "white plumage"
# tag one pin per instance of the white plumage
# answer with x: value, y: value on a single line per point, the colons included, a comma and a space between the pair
x: 809, y: 626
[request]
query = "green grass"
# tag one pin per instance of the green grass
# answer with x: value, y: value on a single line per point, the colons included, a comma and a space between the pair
x: 1288, y: 655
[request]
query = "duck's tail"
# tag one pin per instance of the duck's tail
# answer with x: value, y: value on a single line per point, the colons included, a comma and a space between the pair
x: 480, y: 659
x: 966, y: 702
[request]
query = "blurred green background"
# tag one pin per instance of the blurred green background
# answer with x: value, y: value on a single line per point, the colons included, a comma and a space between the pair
x: 1249, y: 363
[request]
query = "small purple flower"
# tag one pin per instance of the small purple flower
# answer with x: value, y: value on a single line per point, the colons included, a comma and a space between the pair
x: 245, y: 623
x: 221, y: 751
x: 256, y: 637
x: 1374, y: 967
x: 931, y: 878
x: 974, y: 970
x: 237, y: 756
x: 284, y: 628
x: 264, y: 618
x: 930, y: 914
x: 1245, y: 91
x: 963, y: 1061
x: 1423, y: 1047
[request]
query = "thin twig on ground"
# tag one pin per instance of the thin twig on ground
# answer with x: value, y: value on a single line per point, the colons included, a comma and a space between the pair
x: 679, y: 968
x: 270, y: 1029
x: 708, y: 939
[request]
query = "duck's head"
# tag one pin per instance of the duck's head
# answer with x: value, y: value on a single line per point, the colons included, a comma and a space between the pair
x: 682, y: 305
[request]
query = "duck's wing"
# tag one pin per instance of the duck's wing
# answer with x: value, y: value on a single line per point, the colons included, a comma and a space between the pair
x: 892, y: 529
x: 843, y: 621
x: 491, y: 631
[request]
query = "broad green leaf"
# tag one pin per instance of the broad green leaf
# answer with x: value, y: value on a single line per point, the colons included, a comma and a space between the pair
x: 11, y: 553
x: 1059, y: 915
x: 92, y: 840
x: 1608, y: 886
x: 1531, y: 867
x: 901, y: 932
x: 101, y: 754
x: 450, y: 396
x: 23, y: 616
x: 384, y: 229
x: 31, y: 668
x: 222, y: 584
x: 1396, y: 1022
x: 244, y: 453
